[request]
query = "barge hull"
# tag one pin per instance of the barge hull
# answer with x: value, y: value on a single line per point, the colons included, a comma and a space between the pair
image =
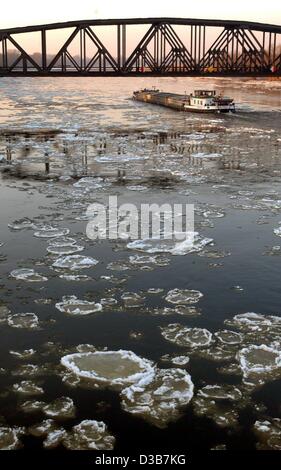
x: 177, y: 102
x: 169, y: 100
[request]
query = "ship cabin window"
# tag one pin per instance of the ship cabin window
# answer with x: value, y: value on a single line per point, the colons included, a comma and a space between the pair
x: 205, y: 93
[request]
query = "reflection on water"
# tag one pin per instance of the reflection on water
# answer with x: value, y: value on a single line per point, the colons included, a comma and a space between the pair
x: 198, y: 330
x: 199, y: 147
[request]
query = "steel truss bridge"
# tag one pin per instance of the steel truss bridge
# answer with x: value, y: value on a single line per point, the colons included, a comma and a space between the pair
x: 165, y: 46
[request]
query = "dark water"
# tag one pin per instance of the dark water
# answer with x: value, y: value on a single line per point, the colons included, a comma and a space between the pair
x: 224, y: 164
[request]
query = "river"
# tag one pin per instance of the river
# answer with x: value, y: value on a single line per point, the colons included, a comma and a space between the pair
x: 67, y: 143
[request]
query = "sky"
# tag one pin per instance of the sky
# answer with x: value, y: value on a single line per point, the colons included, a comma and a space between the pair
x: 29, y: 12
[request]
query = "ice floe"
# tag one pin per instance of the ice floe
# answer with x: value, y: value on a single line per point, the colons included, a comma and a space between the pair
x: 119, y: 266
x: 32, y: 370
x: 85, y: 348
x: 273, y: 251
x: 75, y: 277
x: 229, y: 337
x: 191, y: 244
x: 206, y: 155
x: 160, y: 399
x: 50, y: 430
x: 132, y: 299
x: 268, y: 432
x: 25, y: 354
x: 146, y: 260
x: 154, y: 290
x: 214, y: 254
x: 176, y: 360
x: 89, y: 435
x: 64, y: 250
x: 108, y: 302
x: 43, y: 428
x: 259, y: 361
x: 89, y: 182
x: 28, y: 275
x: 213, y: 214
x: 61, y: 408
x: 21, y: 224
x: 138, y: 187
x: 136, y: 335
x: 277, y: 231
x: 218, y: 352
x: 32, y: 406
x: 62, y: 242
x: 237, y: 288
x: 75, y: 262
x: 51, y: 232
x: 188, y: 337
x: 183, y: 296
x: 254, y: 322
x: 257, y: 329
x: 54, y: 438
x: 27, y: 387
x: 220, y: 392
x: 188, y: 310
x: 109, y: 368
x: 184, y: 310
x: 4, y: 313
x: 120, y: 158
x: 219, y: 403
x: 9, y: 437
x: 24, y: 320
x: 73, y: 306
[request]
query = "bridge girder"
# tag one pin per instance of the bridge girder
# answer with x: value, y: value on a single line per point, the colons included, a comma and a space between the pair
x: 169, y: 46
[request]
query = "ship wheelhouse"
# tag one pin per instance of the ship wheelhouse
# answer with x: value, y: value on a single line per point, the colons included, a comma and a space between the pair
x: 204, y: 101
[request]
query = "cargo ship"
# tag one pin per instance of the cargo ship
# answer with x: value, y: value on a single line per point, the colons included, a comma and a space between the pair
x: 200, y: 101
